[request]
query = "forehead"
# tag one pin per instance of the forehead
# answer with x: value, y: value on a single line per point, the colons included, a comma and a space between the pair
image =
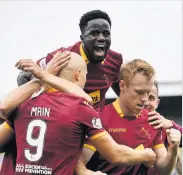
x: 98, y: 24
x: 140, y: 81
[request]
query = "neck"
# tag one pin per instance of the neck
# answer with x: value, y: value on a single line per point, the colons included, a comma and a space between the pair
x: 127, y: 112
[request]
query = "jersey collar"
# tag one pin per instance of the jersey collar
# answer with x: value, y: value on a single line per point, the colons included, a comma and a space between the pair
x: 83, y: 55
x: 50, y: 89
x: 118, y: 109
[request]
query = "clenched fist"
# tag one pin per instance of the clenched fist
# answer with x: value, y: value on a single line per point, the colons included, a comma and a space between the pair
x: 173, y: 137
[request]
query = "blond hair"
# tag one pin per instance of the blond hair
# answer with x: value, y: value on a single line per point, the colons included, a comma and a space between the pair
x: 129, y: 70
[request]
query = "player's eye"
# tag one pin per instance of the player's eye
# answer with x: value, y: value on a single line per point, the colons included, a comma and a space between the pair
x: 151, y: 98
x: 106, y: 33
x: 94, y: 33
x: 139, y: 92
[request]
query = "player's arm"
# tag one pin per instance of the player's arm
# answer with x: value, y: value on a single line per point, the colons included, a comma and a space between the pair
x: 106, y: 146
x: 6, y: 133
x: 64, y: 86
x: 179, y: 164
x: 121, y: 154
x: 176, y: 126
x: 159, y: 121
x: 58, y: 62
x: 17, y: 96
x: 84, y: 158
x: 166, y: 160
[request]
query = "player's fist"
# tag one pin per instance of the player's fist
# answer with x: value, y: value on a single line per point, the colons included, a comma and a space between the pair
x: 150, y: 157
x: 173, y: 137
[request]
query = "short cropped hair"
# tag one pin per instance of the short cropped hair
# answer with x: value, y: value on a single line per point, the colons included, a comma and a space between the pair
x: 129, y: 70
x: 94, y: 14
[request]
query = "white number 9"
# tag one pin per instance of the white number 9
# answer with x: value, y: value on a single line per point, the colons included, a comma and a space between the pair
x: 37, y: 142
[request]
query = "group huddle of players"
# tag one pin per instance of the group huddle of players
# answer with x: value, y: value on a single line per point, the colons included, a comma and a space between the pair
x: 56, y: 121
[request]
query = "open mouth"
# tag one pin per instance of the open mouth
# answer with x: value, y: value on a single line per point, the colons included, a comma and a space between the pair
x: 100, y: 50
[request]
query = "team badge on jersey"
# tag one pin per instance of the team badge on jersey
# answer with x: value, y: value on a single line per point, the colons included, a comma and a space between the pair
x: 97, y: 123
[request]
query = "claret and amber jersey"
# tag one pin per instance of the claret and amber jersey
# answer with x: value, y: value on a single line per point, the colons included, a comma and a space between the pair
x: 100, y: 76
x: 134, y: 132
x: 50, y: 131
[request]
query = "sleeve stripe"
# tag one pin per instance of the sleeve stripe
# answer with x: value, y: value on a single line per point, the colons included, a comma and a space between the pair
x: 90, y: 147
x: 140, y: 147
x: 97, y: 135
x: 6, y: 125
x: 158, y: 146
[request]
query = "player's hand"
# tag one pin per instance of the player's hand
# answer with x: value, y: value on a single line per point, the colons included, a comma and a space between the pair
x: 173, y: 137
x: 58, y: 62
x: 151, y: 157
x: 31, y: 66
x: 158, y: 121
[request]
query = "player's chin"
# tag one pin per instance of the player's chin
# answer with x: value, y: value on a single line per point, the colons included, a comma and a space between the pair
x: 98, y: 58
x: 138, y: 109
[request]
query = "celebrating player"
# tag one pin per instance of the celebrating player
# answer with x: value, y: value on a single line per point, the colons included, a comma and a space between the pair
x: 127, y: 123
x: 159, y: 121
x: 51, y: 127
x: 102, y: 63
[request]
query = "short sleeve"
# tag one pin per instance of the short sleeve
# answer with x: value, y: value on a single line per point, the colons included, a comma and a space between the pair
x: 9, y: 125
x: 10, y: 122
x: 88, y: 145
x: 91, y: 122
x: 158, y: 141
x: 176, y: 126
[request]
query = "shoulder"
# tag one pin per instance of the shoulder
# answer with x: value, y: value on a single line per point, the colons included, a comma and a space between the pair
x: 73, y: 48
x: 86, y: 109
x: 114, y: 61
x: 106, y: 109
x: 106, y: 113
x: 115, y: 54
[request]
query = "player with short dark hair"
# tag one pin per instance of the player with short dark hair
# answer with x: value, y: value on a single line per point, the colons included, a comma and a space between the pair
x: 103, y: 64
x: 94, y: 14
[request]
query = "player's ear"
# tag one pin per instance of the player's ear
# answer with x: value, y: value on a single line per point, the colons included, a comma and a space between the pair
x: 158, y: 101
x: 122, y: 85
x: 77, y: 75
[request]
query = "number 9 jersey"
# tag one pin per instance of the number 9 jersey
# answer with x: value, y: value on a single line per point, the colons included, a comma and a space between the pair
x: 50, y: 131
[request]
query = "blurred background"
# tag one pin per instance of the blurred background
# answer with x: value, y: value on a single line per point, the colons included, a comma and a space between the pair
x: 150, y: 30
